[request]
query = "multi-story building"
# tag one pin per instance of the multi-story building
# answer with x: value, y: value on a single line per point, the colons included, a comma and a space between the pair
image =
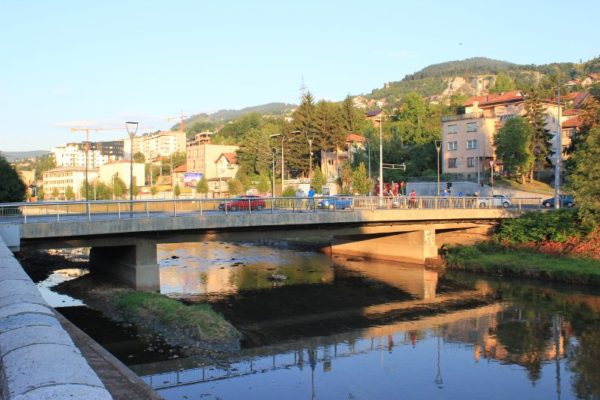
x: 154, y: 145
x: 99, y: 153
x: 203, y: 157
x: 121, y: 169
x: 332, y: 161
x: 468, y: 139
x: 62, y: 178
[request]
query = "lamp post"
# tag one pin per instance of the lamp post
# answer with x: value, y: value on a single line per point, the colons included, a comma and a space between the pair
x: 132, y: 128
x: 438, y: 146
x: 558, y: 151
x: 380, y: 160
x: 310, y: 142
x: 273, y: 176
x: 282, y: 162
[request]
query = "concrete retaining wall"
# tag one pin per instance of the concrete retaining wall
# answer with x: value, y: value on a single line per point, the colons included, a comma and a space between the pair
x: 38, y: 359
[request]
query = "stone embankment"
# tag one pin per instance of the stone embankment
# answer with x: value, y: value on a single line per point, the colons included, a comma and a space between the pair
x: 38, y: 359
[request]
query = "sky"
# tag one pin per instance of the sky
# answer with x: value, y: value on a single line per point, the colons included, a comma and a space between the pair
x: 100, y: 63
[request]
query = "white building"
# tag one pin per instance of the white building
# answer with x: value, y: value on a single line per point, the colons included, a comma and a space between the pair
x: 99, y: 153
x: 121, y: 169
x: 62, y: 178
x: 154, y: 145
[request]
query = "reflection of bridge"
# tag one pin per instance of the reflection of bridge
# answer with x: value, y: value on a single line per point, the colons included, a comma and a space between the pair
x: 126, y: 240
x: 323, y: 351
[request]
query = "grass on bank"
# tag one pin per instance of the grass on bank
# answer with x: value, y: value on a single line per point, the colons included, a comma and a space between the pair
x: 199, y: 321
x: 533, y: 187
x: 496, y: 259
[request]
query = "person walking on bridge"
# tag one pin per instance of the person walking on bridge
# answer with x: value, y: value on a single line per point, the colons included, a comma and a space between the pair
x: 413, y: 199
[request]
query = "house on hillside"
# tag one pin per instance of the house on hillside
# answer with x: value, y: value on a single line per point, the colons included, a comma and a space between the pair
x: 333, y: 161
x: 226, y: 167
x: 375, y: 117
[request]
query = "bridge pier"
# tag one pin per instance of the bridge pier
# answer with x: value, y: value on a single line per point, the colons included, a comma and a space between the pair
x: 413, y: 247
x: 133, y: 264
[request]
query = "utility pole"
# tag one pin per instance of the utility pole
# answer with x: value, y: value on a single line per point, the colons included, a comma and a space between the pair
x: 380, y: 159
x: 558, y: 150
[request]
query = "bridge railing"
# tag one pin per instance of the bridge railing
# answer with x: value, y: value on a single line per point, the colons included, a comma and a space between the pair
x: 64, y: 211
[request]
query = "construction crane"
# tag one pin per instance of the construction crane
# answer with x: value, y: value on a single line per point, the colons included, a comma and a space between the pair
x: 87, y: 149
x: 181, y: 118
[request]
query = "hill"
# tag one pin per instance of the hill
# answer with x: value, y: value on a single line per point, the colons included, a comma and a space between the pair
x: 13, y: 156
x: 223, y: 116
x: 474, y: 76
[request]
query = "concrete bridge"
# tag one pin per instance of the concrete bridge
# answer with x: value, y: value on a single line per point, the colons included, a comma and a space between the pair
x: 123, y: 236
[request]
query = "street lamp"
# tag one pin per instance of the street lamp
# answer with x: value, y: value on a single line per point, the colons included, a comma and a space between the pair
x: 282, y: 162
x: 380, y: 160
x: 273, y: 176
x: 132, y: 128
x: 310, y: 142
x: 438, y: 146
x: 558, y: 151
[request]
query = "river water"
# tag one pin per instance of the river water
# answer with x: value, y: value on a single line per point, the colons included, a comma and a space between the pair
x: 347, y: 328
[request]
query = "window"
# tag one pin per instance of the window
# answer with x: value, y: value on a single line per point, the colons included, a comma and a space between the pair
x: 472, y: 144
x: 452, y: 146
x: 452, y: 129
x: 452, y: 163
x: 471, y: 162
x: 471, y: 126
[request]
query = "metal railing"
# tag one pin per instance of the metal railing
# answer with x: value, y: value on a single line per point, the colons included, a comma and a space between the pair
x: 52, y: 212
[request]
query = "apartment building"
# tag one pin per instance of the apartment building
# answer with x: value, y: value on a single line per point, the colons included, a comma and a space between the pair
x: 62, y: 178
x: 468, y: 139
x: 203, y: 157
x: 99, y: 153
x: 154, y: 145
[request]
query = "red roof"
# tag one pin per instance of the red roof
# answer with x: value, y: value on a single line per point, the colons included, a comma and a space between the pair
x: 508, y: 97
x: 572, y: 111
x: 572, y: 123
x: 181, y: 168
x: 230, y: 157
x: 353, y: 137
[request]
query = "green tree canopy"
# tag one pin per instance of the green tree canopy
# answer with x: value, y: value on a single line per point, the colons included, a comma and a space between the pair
x: 318, y: 180
x: 139, y: 157
x: 361, y: 183
x: 235, y: 187
x: 12, y: 188
x: 504, y: 83
x: 202, y: 186
x: 513, y: 147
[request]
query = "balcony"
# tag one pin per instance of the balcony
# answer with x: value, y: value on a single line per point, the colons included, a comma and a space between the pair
x: 460, y: 117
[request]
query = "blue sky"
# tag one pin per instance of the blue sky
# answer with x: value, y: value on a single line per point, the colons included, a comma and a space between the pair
x: 64, y: 63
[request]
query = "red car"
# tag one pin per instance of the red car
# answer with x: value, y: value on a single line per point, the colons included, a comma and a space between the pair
x: 242, y: 203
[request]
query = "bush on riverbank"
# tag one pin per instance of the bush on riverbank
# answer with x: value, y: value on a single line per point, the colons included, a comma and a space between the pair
x: 537, y: 227
x: 199, y: 321
x: 493, y: 258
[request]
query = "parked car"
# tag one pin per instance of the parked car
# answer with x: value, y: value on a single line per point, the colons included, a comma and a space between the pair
x: 566, y: 200
x: 242, y: 203
x: 337, y: 202
x: 497, y: 200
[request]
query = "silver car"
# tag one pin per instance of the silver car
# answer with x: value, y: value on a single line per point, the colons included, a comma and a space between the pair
x: 497, y: 200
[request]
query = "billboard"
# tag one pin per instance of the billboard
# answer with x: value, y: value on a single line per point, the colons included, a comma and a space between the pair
x: 191, y: 179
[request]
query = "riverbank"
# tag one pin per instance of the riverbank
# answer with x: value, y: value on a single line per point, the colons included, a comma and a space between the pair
x: 522, y: 262
x: 193, y: 328
x: 552, y: 246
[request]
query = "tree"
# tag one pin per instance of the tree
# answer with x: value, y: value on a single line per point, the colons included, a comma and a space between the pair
x: 54, y: 193
x: 254, y: 153
x: 318, y: 180
x: 346, y: 178
x: 12, y: 188
x: 513, y: 147
x: 541, y: 145
x: 119, y: 187
x: 504, y: 83
x: 235, y: 187
x: 304, y: 124
x: 153, y: 190
x: 202, y: 186
x: 40, y: 193
x: 263, y: 185
x: 352, y: 119
x: 139, y: 157
x: 177, y: 191
x: 361, y: 183
x: 69, y: 194
x: 42, y: 164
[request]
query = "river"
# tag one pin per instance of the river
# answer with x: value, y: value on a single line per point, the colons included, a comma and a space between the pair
x: 347, y: 328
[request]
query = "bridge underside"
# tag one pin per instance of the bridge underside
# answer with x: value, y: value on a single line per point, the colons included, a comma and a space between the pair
x: 132, y: 260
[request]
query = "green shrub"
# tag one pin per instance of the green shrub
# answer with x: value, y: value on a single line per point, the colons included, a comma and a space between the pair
x: 535, y: 227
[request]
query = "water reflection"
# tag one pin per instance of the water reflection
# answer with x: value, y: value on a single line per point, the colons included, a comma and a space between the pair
x: 55, y: 299
x: 356, y: 329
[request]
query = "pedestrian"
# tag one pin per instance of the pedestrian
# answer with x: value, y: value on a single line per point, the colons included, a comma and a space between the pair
x: 299, y: 196
x: 413, y: 199
x: 311, y: 198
